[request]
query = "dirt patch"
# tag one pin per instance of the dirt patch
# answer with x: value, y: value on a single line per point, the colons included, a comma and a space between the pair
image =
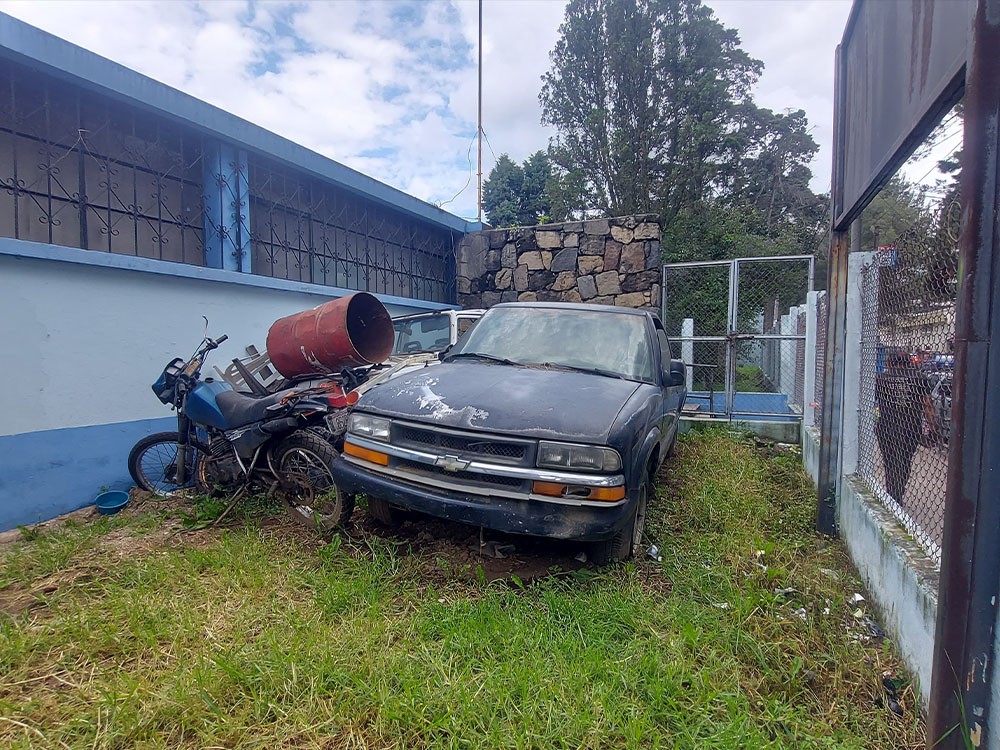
x: 454, y: 550
x: 17, y: 598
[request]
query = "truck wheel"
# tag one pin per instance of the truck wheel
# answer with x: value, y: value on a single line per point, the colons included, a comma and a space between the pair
x: 384, y: 513
x: 623, y: 545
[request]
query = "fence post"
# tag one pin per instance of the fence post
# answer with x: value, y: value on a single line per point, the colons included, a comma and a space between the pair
x: 786, y: 354
x: 851, y: 396
x: 809, y: 382
x: 687, y: 351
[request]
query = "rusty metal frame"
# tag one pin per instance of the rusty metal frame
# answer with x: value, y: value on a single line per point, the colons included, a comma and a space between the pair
x: 965, y: 644
x: 961, y: 711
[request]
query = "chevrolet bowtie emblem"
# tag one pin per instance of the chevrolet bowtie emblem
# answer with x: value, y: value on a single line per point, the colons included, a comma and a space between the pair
x: 451, y: 463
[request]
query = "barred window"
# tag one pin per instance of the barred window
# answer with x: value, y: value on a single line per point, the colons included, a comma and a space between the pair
x: 305, y: 230
x: 81, y: 170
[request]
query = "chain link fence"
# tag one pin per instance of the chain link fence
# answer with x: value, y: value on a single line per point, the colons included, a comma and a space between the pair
x: 740, y: 327
x: 907, y: 344
x: 822, y: 316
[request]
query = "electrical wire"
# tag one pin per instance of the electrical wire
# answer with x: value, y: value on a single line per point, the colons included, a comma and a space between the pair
x: 468, y: 181
x: 490, y: 145
x: 937, y: 162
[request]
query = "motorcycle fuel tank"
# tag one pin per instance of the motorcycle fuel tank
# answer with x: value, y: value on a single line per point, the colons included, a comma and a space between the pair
x: 201, y: 407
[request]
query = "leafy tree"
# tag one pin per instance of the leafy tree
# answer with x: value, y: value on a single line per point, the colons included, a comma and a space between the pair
x: 501, y: 192
x: 652, y: 107
x: 898, y: 210
x: 517, y: 195
x: 645, y: 96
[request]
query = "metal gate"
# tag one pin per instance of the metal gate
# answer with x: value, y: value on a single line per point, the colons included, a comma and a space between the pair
x: 739, y: 326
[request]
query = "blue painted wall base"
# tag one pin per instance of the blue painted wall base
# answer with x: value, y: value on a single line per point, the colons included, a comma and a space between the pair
x: 44, y: 474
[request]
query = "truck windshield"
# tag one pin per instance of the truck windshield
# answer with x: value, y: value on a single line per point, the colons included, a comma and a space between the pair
x: 614, y: 343
x: 428, y: 333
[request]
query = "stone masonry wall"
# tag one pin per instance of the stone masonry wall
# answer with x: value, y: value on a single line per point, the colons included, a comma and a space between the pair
x: 604, y: 261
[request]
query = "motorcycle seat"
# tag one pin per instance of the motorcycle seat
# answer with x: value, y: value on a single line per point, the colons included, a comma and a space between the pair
x: 240, y: 409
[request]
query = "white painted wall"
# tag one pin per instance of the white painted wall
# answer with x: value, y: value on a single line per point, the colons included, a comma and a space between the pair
x: 786, y: 367
x: 82, y: 343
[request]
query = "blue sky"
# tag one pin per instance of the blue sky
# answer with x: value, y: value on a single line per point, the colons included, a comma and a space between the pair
x: 389, y: 88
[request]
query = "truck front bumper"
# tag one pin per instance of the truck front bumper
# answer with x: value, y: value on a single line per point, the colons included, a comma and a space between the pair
x: 530, y: 515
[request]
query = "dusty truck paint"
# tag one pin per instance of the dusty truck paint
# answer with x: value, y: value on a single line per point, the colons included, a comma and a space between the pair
x: 536, y: 402
x: 591, y: 386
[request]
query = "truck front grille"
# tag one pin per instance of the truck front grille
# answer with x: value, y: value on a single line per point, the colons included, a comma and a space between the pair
x: 465, y: 445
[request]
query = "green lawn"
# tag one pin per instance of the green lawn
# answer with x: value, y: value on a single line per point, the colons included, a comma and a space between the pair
x: 124, y: 633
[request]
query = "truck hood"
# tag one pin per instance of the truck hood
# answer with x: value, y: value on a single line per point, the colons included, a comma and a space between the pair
x: 521, y: 401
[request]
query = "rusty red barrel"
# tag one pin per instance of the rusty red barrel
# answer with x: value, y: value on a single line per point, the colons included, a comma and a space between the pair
x: 352, y: 331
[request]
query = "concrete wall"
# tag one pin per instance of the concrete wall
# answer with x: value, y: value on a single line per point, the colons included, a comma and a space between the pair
x: 898, y: 574
x: 604, y: 261
x: 84, y: 334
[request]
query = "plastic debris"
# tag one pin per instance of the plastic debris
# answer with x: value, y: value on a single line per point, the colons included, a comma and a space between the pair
x: 654, y: 552
x: 581, y: 557
x: 894, y: 706
x: 722, y: 605
x: 801, y: 614
x: 857, y: 599
x: 873, y: 627
x: 891, y: 693
x: 785, y: 592
x: 859, y: 613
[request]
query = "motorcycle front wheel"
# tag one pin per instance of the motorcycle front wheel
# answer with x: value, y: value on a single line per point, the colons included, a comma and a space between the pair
x: 152, y: 463
x: 303, y: 462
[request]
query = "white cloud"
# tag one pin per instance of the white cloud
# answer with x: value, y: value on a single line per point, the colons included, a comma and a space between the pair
x: 390, y: 88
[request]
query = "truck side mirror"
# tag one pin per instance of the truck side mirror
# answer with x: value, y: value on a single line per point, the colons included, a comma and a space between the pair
x: 673, y: 374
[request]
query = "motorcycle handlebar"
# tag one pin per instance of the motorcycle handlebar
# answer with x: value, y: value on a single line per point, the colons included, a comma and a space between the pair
x: 223, y: 338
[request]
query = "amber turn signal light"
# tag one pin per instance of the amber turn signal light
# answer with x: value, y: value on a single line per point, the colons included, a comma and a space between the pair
x: 365, y: 454
x: 578, y: 491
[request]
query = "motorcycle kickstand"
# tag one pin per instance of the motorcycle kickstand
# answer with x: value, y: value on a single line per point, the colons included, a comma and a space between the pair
x: 232, y: 504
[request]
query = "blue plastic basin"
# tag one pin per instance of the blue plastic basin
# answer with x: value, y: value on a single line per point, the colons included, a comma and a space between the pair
x: 111, y: 502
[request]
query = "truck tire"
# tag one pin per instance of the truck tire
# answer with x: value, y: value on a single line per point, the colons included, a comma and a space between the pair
x: 385, y: 514
x: 624, y: 544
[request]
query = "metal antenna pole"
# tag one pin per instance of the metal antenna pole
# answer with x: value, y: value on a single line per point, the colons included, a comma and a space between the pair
x: 479, y: 201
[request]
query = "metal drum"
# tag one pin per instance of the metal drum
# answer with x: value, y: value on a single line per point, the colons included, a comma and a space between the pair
x: 352, y: 331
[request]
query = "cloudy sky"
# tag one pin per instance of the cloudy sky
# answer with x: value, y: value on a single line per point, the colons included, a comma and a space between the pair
x: 389, y: 88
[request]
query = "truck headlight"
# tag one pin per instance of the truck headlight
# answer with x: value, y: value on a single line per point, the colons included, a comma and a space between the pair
x: 582, y: 457
x: 376, y: 428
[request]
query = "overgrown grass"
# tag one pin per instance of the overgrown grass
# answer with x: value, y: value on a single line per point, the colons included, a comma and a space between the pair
x: 260, y: 637
x: 749, y: 378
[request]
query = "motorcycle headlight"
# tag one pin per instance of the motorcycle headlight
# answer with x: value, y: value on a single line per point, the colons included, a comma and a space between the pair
x: 376, y: 428
x: 582, y: 457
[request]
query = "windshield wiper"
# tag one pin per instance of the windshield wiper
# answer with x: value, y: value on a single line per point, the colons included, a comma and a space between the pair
x: 482, y: 355
x: 592, y: 370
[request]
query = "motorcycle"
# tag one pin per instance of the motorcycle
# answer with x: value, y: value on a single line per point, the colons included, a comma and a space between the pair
x: 226, y: 441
